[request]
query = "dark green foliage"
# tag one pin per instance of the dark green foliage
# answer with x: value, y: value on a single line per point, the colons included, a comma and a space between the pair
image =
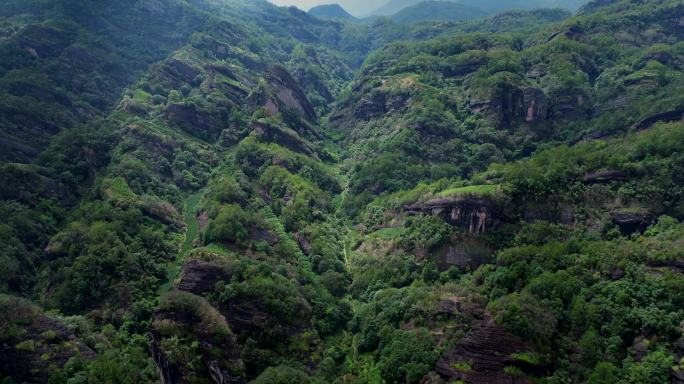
x: 231, y: 225
x: 181, y: 205
x: 282, y: 374
x: 407, y: 357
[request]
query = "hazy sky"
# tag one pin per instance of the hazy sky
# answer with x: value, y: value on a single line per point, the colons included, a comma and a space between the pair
x: 355, y: 7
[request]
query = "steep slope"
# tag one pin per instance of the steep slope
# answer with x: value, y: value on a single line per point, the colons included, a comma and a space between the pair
x: 67, y: 63
x: 331, y: 12
x: 437, y: 11
x: 452, y: 105
x: 481, y: 201
x: 394, y: 6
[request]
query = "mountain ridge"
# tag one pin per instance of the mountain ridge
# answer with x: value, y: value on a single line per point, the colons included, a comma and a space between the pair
x: 253, y: 194
x: 330, y: 11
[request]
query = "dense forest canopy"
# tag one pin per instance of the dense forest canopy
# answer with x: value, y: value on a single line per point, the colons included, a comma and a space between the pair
x: 228, y: 191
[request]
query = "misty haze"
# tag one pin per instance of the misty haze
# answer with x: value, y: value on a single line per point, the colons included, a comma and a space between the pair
x: 362, y: 192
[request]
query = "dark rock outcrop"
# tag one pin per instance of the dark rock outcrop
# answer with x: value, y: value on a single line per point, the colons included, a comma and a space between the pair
x: 678, y: 374
x: 673, y: 115
x: 632, y: 220
x: 283, y: 95
x: 223, y: 329
x: 370, y: 106
x: 43, y: 42
x: 546, y: 211
x: 472, y: 213
x: 199, y: 276
x: 28, y: 183
x: 606, y: 176
x: 196, y: 121
x: 283, y: 136
x: 528, y: 104
x: 535, y: 105
x: 465, y: 254
x: 32, y: 343
x: 191, y: 320
x: 482, y: 354
x: 176, y: 73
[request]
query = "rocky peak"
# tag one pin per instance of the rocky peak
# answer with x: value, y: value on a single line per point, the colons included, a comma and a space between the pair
x: 283, y: 95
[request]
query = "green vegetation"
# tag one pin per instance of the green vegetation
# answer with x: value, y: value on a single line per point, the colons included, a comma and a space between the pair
x: 215, y: 190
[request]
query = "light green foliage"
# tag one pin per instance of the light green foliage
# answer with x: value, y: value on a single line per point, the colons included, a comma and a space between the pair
x: 231, y: 225
x: 170, y: 198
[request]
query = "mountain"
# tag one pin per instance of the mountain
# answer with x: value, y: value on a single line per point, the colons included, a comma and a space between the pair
x: 437, y: 11
x: 331, y: 12
x: 227, y: 191
x: 394, y: 6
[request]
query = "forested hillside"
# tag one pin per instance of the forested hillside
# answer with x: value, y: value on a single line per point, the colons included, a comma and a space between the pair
x: 226, y: 191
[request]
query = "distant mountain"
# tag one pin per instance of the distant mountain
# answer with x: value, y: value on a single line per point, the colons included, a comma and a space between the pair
x: 330, y: 12
x: 437, y: 11
x: 394, y: 6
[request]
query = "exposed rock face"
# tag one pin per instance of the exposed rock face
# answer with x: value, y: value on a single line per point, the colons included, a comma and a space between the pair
x: 216, y: 345
x: 602, y: 177
x: 43, y: 42
x: 474, y: 214
x: 282, y: 136
x: 196, y: 121
x: 678, y: 375
x: 632, y: 220
x: 528, y: 104
x: 482, y: 354
x: 572, y: 32
x: 370, y: 106
x: 674, y: 115
x: 223, y: 329
x: 32, y: 344
x: 25, y: 183
x: 283, y: 95
x: 465, y: 254
x: 377, y: 100
x: 552, y: 212
x: 236, y: 90
x: 535, y: 105
x: 198, y: 276
x: 176, y: 73
x: 569, y: 105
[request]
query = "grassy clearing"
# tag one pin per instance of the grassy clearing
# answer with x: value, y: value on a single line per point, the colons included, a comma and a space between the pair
x: 473, y: 190
x: 191, y: 232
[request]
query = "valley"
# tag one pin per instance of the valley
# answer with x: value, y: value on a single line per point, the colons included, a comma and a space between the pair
x: 226, y: 191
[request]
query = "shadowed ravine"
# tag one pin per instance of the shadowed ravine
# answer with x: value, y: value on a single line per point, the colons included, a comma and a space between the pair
x: 211, y: 192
